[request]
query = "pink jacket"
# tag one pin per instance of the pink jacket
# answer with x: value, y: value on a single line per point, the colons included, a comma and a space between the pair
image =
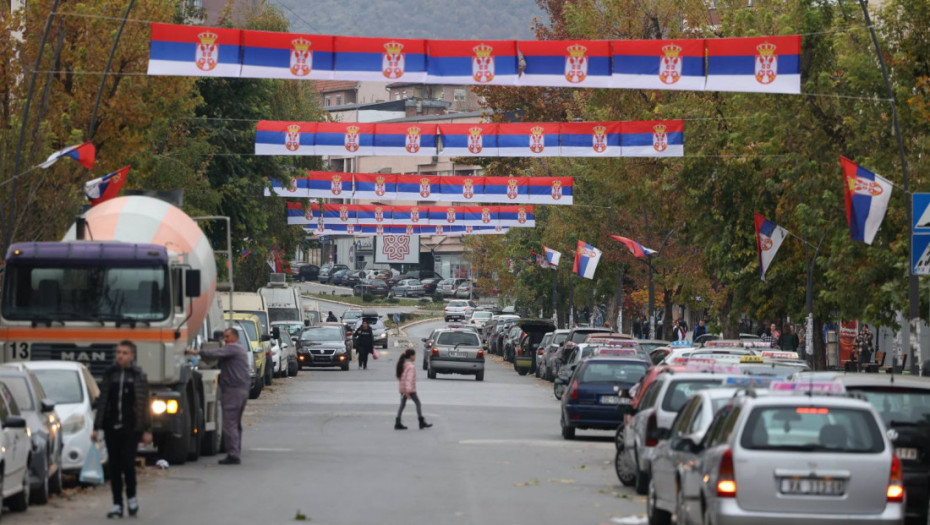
x: 408, y: 378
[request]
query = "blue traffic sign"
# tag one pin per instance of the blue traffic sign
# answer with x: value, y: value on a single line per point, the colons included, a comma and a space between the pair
x: 920, y: 254
x: 920, y: 203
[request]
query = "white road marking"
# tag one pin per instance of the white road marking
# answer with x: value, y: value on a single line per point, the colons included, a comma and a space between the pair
x: 537, y: 443
x: 639, y: 519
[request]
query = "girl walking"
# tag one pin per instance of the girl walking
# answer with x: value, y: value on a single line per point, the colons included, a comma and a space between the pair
x: 407, y: 375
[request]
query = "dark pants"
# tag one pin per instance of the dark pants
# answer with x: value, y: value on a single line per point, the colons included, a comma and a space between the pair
x: 363, y: 357
x: 403, y: 403
x: 121, y: 448
x: 233, y: 406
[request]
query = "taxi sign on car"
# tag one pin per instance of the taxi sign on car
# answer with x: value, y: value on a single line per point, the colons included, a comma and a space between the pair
x: 710, y: 365
x: 808, y: 387
x: 615, y: 351
x: 750, y: 381
x: 774, y: 354
x: 755, y: 359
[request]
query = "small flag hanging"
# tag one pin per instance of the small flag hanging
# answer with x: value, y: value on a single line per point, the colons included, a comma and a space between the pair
x: 105, y: 188
x: 637, y: 249
x: 245, y: 253
x: 85, y: 153
x: 867, y: 195
x: 586, y: 259
x: 552, y: 257
x: 769, y: 237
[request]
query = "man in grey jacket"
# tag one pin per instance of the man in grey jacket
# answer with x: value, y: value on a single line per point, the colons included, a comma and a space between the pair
x: 234, y: 390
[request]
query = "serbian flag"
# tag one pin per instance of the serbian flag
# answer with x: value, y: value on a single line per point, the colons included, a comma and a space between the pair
x: 518, y: 216
x: 405, y: 140
x: 106, y: 187
x: 85, y: 153
x: 472, y: 62
x: 867, y: 195
x: 284, y: 137
x: 448, y: 215
x: 468, y: 140
x: 340, y: 214
x: 375, y: 214
x: 659, y: 64
x: 770, y: 64
x: 194, y: 51
x: 302, y: 214
x: 465, y: 189
x: 413, y: 215
x: 506, y: 189
x: 565, y: 63
x: 653, y: 138
x: 549, y: 190
x: 590, y: 139
x: 552, y: 257
x: 586, y: 259
x: 344, y: 139
x: 485, y: 216
x: 375, y: 186
x: 637, y: 249
x: 418, y: 187
x: 769, y: 237
x: 266, y: 54
x: 528, y: 139
x: 297, y: 188
x: 380, y: 59
x: 329, y: 185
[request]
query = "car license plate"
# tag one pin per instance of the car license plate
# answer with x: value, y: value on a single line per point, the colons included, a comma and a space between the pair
x: 610, y: 400
x: 17, y: 351
x: 906, y: 453
x: 813, y: 486
x: 457, y: 354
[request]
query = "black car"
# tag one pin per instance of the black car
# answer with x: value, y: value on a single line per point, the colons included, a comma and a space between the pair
x: 325, y: 345
x: 371, y: 287
x: 44, y: 428
x: 533, y: 331
x: 308, y: 272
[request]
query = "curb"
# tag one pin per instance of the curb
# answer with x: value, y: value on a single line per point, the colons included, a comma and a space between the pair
x: 314, y: 298
x: 401, y: 329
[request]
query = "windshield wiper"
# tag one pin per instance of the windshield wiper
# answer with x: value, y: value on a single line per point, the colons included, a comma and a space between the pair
x: 79, y: 316
x: 47, y: 319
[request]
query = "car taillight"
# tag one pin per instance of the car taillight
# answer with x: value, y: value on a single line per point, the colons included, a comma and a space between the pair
x: 573, y: 393
x: 895, y: 490
x: 435, y: 351
x: 726, y: 482
x: 652, y: 425
x: 480, y: 354
x: 540, y: 351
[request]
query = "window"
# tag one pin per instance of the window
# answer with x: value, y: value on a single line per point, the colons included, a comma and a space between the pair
x: 62, y: 386
x: 328, y: 102
x: 459, y: 95
x: 338, y: 100
x: 649, y: 397
x: 458, y: 338
x: 812, y: 429
x: 683, y: 421
x: 679, y: 392
x: 322, y: 333
x: 20, y: 390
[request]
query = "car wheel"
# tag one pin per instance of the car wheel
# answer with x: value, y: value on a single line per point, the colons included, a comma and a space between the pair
x: 55, y: 484
x: 568, y: 431
x: 256, y: 390
x: 40, y: 495
x: 479, y: 376
x: 655, y: 515
x: 642, y: 480
x: 681, y: 515
x: 20, y: 502
x: 425, y: 363
x: 624, y: 474
x: 558, y: 390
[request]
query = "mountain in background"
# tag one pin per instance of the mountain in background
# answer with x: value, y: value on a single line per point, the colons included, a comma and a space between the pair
x: 436, y: 19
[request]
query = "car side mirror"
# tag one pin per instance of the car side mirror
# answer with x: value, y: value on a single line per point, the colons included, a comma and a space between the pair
x: 15, y: 422
x: 276, y: 332
x: 657, y: 434
x: 265, y: 337
x: 47, y: 405
x: 685, y: 444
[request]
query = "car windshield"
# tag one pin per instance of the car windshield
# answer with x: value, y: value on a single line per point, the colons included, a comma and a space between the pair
x: 558, y: 339
x: 249, y: 328
x: 351, y: 315
x: 61, y: 386
x: 618, y: 372
x: 52, y: 291
x: 262, y: 318
x: 321, y: 333
x: 812, y: 428
x: 20, y: 390
x: 898, y: 406
x: 458, y: 304
x: 679, y: 392
x: 458, y: 338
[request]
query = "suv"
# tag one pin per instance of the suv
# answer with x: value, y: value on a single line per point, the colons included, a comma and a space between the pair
x: 308, y: 272
x: 456, y: 351
x: 457, y: 310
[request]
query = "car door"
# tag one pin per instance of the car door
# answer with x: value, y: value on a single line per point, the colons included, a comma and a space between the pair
x: 17, y: 442
x: 665, y: 460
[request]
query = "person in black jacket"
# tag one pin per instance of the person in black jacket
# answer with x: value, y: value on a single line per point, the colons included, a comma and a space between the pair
x: 364, y: 343
x: 122, y: 413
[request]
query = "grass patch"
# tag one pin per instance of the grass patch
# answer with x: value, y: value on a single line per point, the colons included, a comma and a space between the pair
x: 372, y: 301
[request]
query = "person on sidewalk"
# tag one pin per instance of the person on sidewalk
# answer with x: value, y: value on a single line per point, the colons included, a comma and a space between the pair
x: 122, y: 414
x: 364, y: 343
x: 699, y: 330
x: 864, y: 347
x: 788, y: 340
x: 234, y: 390
x: 407, y: 376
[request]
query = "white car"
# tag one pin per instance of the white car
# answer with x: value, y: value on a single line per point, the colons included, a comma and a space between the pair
x: 74, y: 392
x: 480, y: 318
x: 15, y: 448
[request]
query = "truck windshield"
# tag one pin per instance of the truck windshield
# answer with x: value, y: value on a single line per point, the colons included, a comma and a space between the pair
x: 96, y: 293
x: 284, y: 314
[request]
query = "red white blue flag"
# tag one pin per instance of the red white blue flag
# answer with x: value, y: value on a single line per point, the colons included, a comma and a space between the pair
x: 866, y: 195
x: 517, y: 216
x: 528, y: 140
x: 375, y: 186
x: 470, y: 62
x: 659, y: 64
x: 480, y: 216
x: 590, y: 139
x: 267, y: 54
x: 770, y: 64
x: 107, y: 187
x: 194, y: 51
x: 565, y: 63
x: 85, y: 154
x: 468, y: 140
x: 552, y: 257
x: 506, y: 189
x: 657, y: 138
x: 375, y: 214
x: 380, y: 59
x: 637, y: 249
x: 586, y: 259
x: 344, y: 139
x: 769, y: 237
x: 418, y: 187
x: 340, y: 214
x: 464, y: 189
x: 405, y: 140
x: 303, y: 213
x: 549, y: 190
x: 284, y: 137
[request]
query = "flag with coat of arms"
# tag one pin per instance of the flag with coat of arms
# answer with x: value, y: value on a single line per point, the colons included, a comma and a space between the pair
x: 866, y: 195
x: 769, y: 237
x: 586, y: 259
x: 105, y: 188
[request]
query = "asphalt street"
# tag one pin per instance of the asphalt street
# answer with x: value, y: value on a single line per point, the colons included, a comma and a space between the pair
x: 322, y: 445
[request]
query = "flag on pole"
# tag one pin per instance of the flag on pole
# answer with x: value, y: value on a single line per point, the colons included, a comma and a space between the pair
x: 769, y: 237
x: 552, y: 257
x: 85, y: 153
x: 586, y: 259
x: 637, y: 249
x: 867, y: 195
x: 105, y: 188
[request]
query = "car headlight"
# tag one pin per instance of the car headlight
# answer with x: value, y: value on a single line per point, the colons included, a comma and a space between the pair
x: 383, y: 335
x: 74, y: 424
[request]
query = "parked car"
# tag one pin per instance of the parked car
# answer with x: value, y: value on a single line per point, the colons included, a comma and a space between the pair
x: 15, y: 452
x: 595, y: 391
x: 337, y: 277
x: 307, y: 272
x: 422, y: 274
x: 349, y: 317
x: 496, y: 343
x: 466, y: 290
x: 260, y: 344
x: 526, y: 342
x: 352, y: 278
x: 286, y: 332
x: 456, y: 351
x: 327, y: 272
x: 478, y: 318
x: 374, y: 287
x: 457, y: 310
x: 408, y: 288
x: 44, y: 429
x: 576, y: 335
x: 73, y: 390
x: 545, y: 366
x: 447, y: 287
x: 324, y: 345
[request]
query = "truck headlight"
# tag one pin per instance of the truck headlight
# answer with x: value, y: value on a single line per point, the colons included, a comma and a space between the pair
x: 159, y: 407
x: 74, y: 424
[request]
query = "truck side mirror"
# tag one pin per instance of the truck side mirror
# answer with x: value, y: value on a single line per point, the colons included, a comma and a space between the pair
x: 265, y: 337
x: 276, y: 332
x: 217, y: 335
x: 192, y: 283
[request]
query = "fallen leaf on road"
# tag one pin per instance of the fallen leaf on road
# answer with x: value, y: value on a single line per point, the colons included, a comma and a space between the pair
x: 564, y: 480
x: 530, y: 483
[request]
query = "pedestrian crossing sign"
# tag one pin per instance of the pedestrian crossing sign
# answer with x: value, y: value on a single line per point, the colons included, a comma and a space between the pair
x: 920, y: 254
x: 920, y: 203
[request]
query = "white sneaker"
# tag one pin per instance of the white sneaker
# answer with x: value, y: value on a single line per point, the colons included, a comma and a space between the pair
x: 133, y: 504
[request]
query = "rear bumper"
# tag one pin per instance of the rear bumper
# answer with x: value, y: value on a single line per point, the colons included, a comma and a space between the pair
x: 607, y: 417
x: 454, y: 316
x: 728, y: 512
x: 456, y: 366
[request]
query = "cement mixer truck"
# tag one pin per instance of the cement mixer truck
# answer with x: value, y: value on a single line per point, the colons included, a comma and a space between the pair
x: 133, y: 268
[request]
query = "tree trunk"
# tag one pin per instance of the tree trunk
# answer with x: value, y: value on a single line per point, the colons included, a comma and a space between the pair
x: 667, y: 318
x: 819, y: 361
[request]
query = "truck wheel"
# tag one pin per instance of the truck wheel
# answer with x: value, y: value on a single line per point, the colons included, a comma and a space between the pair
x: 55, y: 484
x: 196, y: 438
x: 210, y: 446
x: 175, y: 449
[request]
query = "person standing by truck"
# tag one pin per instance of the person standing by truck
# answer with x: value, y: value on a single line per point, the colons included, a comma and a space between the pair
x: 364, y: 343
x: 234, y: 390
x: 122, y: 413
